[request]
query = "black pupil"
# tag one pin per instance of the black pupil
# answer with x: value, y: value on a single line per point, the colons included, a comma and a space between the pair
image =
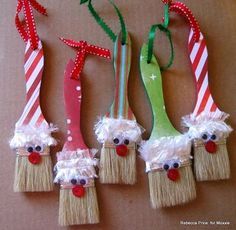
x: 30, y: 149
x: 116, y: 141
x: 73, y: 181
x: 38, y: 148
x: 213, y: 137
x: 126, y: 142
x: 166, y: 167
x: 82, y: 182
x: 204, y: 136
x: 176, y: 165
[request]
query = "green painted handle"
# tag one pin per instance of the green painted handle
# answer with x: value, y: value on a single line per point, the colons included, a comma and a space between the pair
x: 151, y: 76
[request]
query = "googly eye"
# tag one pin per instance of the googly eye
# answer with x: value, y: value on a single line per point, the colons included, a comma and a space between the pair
x: 126, y: 141
x: 176, y: 165
x: 73, y: 181
x: 82, y: 181
x: 30, y: 149
x: 38, y: 148
x: 166, y: 167
x: 204, y: 136
x: 116, y: 141
x: 213, y: 137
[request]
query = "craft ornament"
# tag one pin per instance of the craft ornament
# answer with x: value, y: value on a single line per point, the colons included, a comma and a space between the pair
x: 32, y: 137
x: 206, y: 125
x: 118, y: 131
x: 167, y: 153
x: 75, y: 167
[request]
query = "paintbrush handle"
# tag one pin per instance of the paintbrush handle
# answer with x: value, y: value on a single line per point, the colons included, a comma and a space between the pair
x: 72, y: 99
x: 122, y: 62
x: 151, y: 77
x: 198, y: 56
x: 199, y: 61
x: 33, y: 67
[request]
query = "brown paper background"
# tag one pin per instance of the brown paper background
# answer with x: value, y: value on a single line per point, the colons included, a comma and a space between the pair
x: 122, y: 207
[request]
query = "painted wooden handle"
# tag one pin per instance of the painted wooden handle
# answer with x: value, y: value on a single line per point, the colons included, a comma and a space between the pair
x: 72, y: 98
x: 122, y: 62
x: 33, y: 67
x: 199, y: 56
x: 151, y: 77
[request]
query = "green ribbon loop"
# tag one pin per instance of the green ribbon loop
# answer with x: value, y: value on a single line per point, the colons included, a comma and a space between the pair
x: 103, y: 25
x: 152, y: 34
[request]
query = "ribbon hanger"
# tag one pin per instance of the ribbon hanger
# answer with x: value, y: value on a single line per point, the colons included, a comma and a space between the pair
x: 183, y: 10
x: 152, y: 34
x: 83, y: 48
x: 104, y: 26
x: 28, y: 30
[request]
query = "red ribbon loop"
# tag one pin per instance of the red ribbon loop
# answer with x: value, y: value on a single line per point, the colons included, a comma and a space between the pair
x: 84, y: 48
x: 27, y: 30
x: 167, y: 1
x: 183, y: 10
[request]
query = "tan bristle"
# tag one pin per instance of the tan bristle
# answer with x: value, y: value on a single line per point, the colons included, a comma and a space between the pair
x: 74, y: 210
x: 166, y: 193
x: 208, y: 166
x: 33, y: 178
x: 115, y: 169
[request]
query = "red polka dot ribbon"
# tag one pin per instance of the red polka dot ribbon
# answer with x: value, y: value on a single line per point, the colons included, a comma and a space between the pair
x: 183, y: 10
x: 84, y: 48
x: 27, y: 29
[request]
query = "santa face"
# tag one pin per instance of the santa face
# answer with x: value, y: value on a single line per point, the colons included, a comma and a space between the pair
x: 34, y: 152
x: 210, y: 141
x: 121, y: 144
x: 172, y: 170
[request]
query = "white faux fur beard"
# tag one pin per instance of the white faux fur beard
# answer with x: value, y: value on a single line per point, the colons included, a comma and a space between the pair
x: 109, y: 128
x: 207, y: 123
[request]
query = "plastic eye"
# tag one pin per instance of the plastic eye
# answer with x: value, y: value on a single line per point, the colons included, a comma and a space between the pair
x: 116, y: 141
x: 126, y: 141
x: 73, y: 181
x: 38, y: 148
x: 213, y: 137
x: 204, y: 136
x: 82, y: 181
x: 176, y: 165
x: 166, y: 167
x: 30, y: 149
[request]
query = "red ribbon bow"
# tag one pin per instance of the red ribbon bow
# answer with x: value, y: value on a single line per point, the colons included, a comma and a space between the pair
x: 28, y: 30
x: 83, y: 49
x: 183, y: 10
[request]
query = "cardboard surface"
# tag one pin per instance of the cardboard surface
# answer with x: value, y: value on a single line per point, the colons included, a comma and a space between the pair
x: 121, y: 207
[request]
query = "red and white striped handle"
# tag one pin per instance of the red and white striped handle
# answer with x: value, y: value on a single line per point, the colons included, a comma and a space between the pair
x: 198, y: 57
x: 34, y: 63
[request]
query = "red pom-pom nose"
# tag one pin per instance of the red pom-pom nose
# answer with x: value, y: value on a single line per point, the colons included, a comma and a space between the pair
x: 173, y: 174
x: 78, y: 191
x: 34, y: 158
x: 211, y: 147
x: 122, y: 150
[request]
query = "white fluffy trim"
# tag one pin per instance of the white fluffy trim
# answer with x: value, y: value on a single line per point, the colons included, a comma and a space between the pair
x: 165, y: 149
x: 207, y: 123
x: 77, y: 165
x: 109, y: 128
x: 31, y: 134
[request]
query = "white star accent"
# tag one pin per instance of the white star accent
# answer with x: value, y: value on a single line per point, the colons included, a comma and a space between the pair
x: 78, y: 88
x: 153, y: 77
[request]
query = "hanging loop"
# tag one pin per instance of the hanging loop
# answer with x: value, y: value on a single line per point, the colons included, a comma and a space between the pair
x: 103, y: 25
x: 84, y: 48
